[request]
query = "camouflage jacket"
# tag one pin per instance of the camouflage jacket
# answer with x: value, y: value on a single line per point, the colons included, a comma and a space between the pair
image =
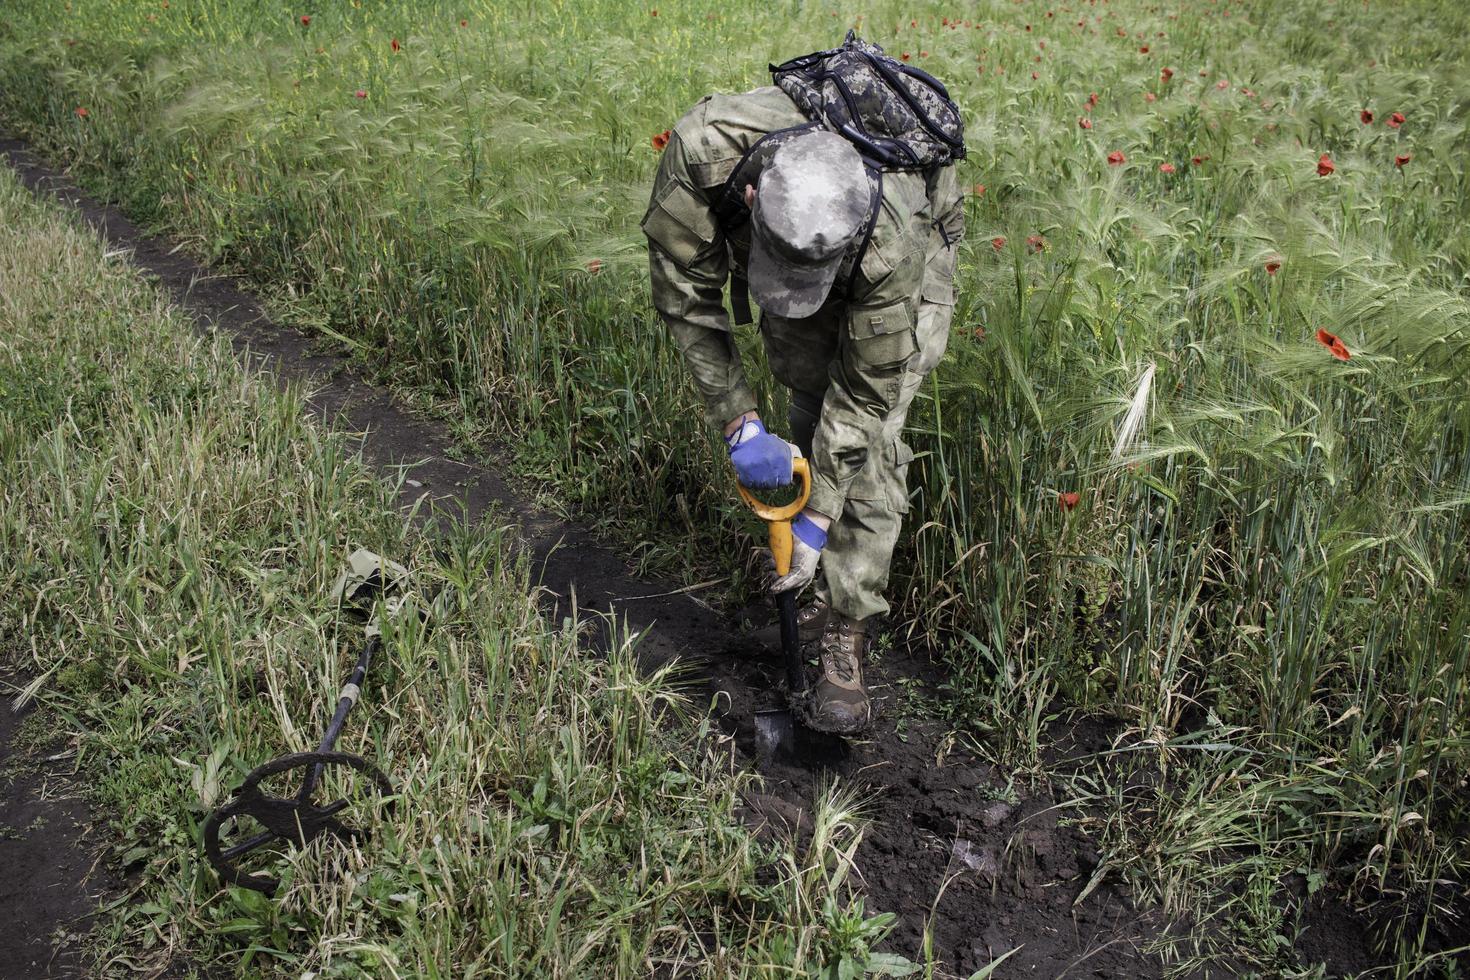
x: 908, y: 261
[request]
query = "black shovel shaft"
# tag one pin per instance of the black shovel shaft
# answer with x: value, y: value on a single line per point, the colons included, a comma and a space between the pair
x: 791, y: 642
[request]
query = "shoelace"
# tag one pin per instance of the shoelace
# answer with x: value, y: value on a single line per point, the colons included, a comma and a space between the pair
x: 840, y: 656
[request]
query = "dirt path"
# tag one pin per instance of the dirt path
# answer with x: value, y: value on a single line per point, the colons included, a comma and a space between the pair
x: 50, y: 879
x: 1015, y: 872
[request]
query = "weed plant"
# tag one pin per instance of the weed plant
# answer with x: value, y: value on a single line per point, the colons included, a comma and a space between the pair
x: 1266, y: 580
x: 172, y: 526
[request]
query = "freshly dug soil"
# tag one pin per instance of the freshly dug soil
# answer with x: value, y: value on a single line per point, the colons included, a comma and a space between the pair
x: 944, y: 851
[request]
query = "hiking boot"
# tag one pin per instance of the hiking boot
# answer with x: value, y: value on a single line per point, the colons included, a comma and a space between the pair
x: 838, y: 703
x: 811, y: 619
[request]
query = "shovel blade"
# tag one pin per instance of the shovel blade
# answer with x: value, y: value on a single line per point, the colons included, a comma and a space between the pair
x: 781, y: 735
x: 775, y: 733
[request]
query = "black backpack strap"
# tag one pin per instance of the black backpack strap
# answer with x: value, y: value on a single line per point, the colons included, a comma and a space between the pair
x: 740, y: 299
x: 875, y: 204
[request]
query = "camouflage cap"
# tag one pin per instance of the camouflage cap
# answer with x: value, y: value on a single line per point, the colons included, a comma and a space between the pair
x: 810, y: 205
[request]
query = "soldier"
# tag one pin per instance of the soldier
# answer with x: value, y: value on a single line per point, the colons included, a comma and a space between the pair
x: 852, y: 269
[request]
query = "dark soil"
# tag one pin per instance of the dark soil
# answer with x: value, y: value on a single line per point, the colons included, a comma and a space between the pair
x: 1013, y: 872
x: 50, y: 877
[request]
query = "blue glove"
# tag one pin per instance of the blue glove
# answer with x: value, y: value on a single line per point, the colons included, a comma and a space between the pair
x: 761, y: 460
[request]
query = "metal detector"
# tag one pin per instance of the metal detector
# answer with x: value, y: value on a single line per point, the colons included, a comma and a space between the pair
x: 259, y: 813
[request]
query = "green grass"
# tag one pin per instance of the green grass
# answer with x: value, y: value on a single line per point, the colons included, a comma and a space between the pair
x: 172, y: 525
x: 1276, y: 566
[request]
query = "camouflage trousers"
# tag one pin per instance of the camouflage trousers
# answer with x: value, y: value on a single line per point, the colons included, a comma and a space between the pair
x: 860, y: 543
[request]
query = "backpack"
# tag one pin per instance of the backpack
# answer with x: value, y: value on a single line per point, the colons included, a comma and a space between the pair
x: 898, y: 118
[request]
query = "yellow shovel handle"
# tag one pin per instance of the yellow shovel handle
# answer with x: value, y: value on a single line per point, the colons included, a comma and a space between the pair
x: 778, y: 518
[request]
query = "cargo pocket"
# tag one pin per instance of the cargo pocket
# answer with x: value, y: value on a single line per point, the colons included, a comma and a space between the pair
x: 936, y: 313
x: 939, y: 280
x: 884, y: 480
x: 883, y: 338
x: 680, y: 223
x: 899, y: 490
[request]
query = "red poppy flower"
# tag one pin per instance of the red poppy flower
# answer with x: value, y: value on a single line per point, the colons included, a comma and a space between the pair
x: 1198, y: 160
x: 1333, y: 344
x: 1067, y: 501
x: 661, y: 140
x: 1222, y: 84
x: 464, y: 23
x: 904, y: 56
x: 978, y: 333
x: 998, y: 242
x: 394, y: 44
x: 1091, y: 100
x: 1396, y: 120
x: 82, y: 111
x: 653, y: 12
x: 978, y: 190
x: 1366, y: 116
x: 361, y: 93
x: 594, y: 266
x: 306, y: 20
x: 1325, y: 165
x: 1084, y: 122
x: 1166, y: 74
x: 923, y: 54
x: 1116, y: 157
x: 1143, y: 49
x: 1036, y: 243
x: 1273, y: 266
x: 1166, y: 168
x: 1150, y: 97
x: 1399, y: 161
x: 1034, y: 76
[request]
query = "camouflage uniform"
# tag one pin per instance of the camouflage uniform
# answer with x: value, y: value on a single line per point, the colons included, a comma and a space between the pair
x: 853, y: 367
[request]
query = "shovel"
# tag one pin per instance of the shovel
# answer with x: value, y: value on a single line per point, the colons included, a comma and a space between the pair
x: 776, y: 729
x: 254, y: 817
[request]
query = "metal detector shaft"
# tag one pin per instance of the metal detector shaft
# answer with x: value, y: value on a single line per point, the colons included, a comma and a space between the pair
x: 345, y: 700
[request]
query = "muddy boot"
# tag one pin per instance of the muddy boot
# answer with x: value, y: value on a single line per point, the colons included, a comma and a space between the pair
x: 838, y: 703
x: 811, y: 619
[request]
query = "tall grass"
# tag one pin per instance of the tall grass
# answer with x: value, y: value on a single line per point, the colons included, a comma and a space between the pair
x: 1280, y: 558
